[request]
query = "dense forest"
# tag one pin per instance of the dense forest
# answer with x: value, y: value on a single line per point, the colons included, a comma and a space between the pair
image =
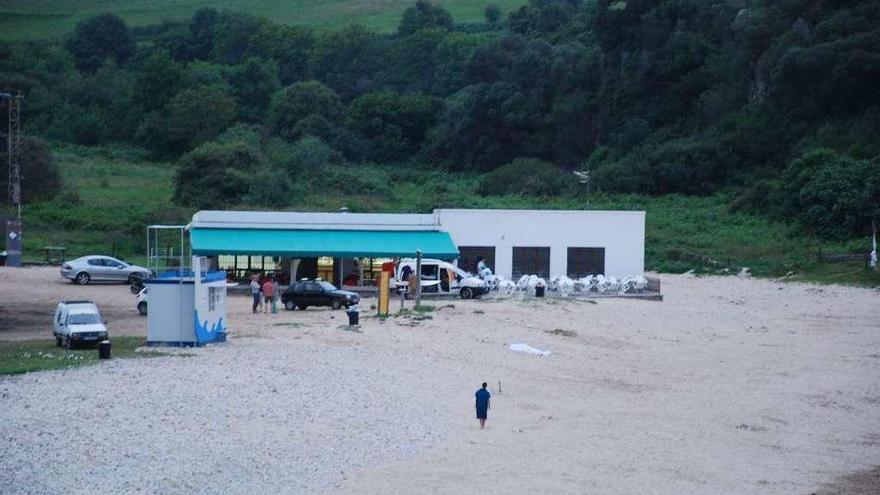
x: 775, y: 102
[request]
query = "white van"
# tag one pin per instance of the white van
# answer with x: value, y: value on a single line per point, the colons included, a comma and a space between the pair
x: 78, y: 322
x: 440, y: 277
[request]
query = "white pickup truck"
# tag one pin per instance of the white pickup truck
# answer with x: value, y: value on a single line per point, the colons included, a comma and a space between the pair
x: 440, y: 277
x: 78, y: 322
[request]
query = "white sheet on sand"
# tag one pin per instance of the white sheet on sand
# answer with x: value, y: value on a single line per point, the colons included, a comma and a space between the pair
x: 527, y: 349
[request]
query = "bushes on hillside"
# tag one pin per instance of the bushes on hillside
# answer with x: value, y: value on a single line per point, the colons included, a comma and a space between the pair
x: 527, y: 177
x: 833, y: 195
x: 303, y: 107
x: 191, y: 117
x: 39, y: 175
x: 216, y: 175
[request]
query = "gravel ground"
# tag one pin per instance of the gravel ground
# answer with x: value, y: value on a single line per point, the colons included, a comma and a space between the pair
x: 728, y: 386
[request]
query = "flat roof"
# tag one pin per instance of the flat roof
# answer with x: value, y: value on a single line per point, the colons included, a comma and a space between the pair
x: 296, y: 220
x: 307, y: 243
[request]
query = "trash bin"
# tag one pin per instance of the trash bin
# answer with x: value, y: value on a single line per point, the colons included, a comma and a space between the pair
x: 353, y: 315
x: 539, y: 291
x: 104, y: 349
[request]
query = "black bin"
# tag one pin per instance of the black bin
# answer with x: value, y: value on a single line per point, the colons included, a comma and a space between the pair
x: 104, y: 349
x: 539, y: 291
x: 353, y: 317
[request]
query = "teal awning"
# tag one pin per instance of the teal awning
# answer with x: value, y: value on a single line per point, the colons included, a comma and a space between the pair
x: 336, y: 243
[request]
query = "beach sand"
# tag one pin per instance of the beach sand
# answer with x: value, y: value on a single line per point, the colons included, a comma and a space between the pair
x: 730, y: 385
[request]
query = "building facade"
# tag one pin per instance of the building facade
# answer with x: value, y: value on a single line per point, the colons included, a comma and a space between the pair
x: 342, y: 247
x: 548, y: 242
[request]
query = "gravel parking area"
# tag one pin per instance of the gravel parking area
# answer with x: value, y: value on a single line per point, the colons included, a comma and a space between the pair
x: 729, y: 386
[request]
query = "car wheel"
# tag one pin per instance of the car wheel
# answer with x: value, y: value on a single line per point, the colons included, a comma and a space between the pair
x: 135, y: 278
x: 82, y: 278
x: 289, y: 305
x: 70, y: 344
x: 142, y: 308
x: 57, y: 341
x: 302, y: 307
x: 335, y: 304
x: 466, y: 293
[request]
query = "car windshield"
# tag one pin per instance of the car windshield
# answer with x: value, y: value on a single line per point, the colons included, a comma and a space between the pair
x: 326, y: 285
x: 83, y: 319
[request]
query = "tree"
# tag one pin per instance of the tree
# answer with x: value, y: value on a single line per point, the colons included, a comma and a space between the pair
x: 39, y: 175
x: 203, y: 30
x: 492, y: 14
x: 349, y: 61
x: 833, y: 195
x: 394, y: 125
x: 253, y: 84
x: 157, y: 80
x: 216, y: 175
x: 423, y: 15
x: 100, y: 38
x: 299, y: 101
x: 191, y: 117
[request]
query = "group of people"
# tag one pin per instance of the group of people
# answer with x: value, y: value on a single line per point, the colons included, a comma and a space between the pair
x: 265, y: 293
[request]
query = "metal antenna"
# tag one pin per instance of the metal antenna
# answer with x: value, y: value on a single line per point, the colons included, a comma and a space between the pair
x: 13, y: 152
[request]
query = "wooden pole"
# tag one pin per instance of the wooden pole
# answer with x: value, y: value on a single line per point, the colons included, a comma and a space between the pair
x: 418, y: 278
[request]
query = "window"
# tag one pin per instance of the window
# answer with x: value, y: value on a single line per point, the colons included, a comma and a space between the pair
x: 583, y: 261
x: 467, y: 259
x: 429, y: 272
x: 531, y: 261
x: 213, y: 298
x: 96, y: 262
x: 83, y: 319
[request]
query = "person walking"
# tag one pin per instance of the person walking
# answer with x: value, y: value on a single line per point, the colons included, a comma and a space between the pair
x: 268, y: 294
x: 255, y: 291
x: 482, y: 395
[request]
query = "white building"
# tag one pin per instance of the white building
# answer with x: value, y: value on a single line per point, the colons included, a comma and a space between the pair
x: 513, y: 242
x: 549, y: 242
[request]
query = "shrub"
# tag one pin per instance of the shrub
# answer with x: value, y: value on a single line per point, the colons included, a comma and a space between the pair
x: 527, y: 177
x: 833, y: 195
x: 216, y: 174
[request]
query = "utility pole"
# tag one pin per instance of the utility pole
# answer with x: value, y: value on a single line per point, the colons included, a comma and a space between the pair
x: 13, y: 152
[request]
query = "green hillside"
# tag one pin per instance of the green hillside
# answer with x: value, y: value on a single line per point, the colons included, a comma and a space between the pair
x: 33, y: 19
x: 747, y: 132
x: 111, y: 194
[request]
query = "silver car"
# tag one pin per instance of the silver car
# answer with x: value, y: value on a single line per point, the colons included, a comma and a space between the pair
x: 102, y: 268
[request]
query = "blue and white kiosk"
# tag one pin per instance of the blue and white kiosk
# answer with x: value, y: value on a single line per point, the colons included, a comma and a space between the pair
x: 187, y: 307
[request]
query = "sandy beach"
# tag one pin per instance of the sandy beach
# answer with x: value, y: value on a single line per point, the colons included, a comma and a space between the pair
x: 730, y: 385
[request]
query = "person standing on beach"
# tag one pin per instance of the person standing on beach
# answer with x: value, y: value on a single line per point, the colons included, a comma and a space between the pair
x: 255, y: 291
x: 268, y: 294
x: 482, y: 397
x: 275, y: 295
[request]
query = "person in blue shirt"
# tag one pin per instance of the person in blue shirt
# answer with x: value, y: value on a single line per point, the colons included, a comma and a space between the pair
x: 482, y: 397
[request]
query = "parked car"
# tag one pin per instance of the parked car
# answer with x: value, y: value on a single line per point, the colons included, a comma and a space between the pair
x: 305, y: 293
x: 104, y: 268
x: 141, y: 302
x: 440, y: 277
x: 78, y: 322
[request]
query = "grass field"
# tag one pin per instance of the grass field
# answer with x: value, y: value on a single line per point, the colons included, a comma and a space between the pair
x: 112, y: 194
x: 31, y: 19
x: 109, y: 197
x: 39, y: 355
